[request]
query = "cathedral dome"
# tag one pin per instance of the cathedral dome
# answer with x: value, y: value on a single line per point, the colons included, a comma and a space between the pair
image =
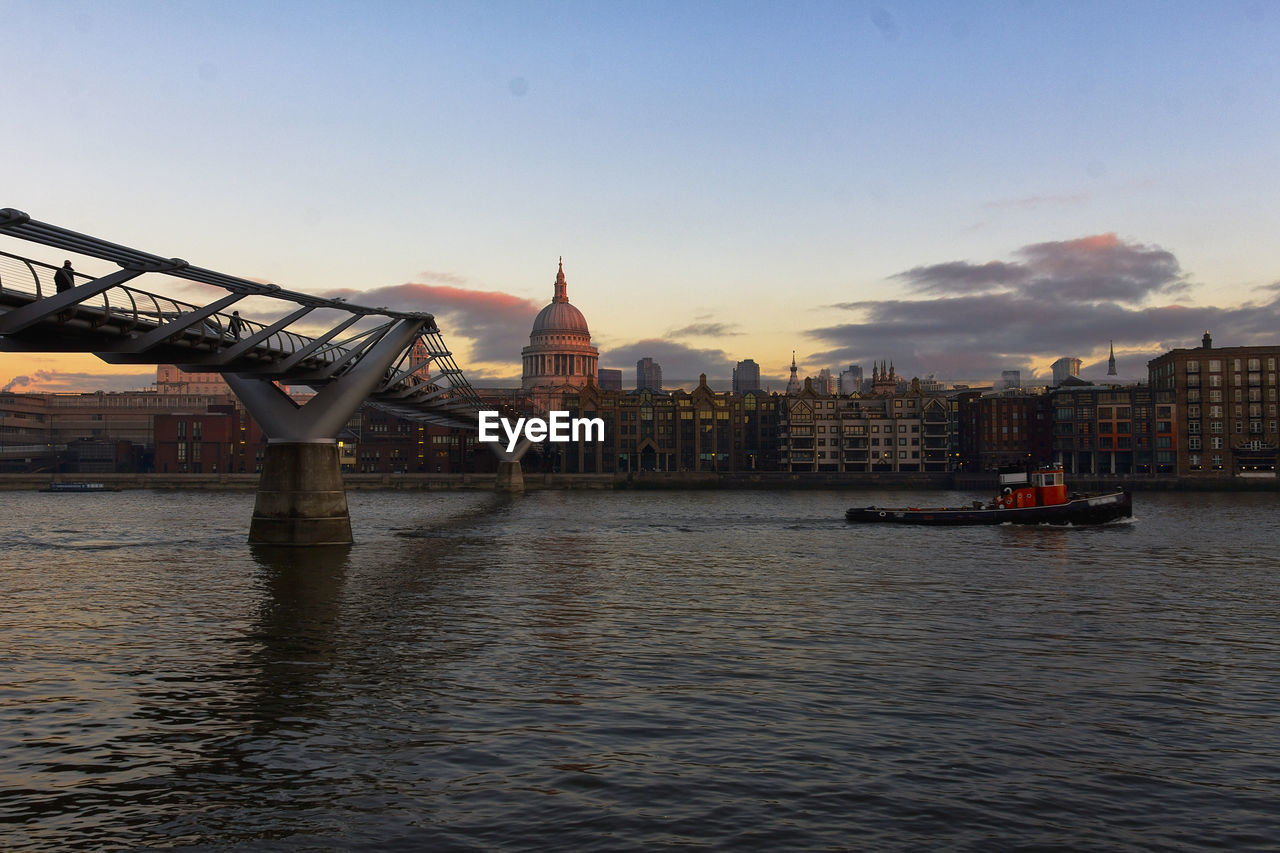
x: 559, y: 315
x: 559, y: 353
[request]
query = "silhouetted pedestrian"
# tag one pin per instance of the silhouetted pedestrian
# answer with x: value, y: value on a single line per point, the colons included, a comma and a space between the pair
x: 65, y: 278
x: 237, y: 325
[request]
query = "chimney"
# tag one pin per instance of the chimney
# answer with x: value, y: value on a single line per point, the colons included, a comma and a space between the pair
x: 1206, y: 342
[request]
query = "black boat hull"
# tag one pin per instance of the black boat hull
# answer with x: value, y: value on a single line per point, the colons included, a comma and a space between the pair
x: 1086, y: 509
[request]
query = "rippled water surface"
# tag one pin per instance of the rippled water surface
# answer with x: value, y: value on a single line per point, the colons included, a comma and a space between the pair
x: 598, y: 670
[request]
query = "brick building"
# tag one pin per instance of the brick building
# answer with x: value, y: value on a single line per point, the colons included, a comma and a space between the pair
x: 698, y: 430
x: 1222, y: 405
x: 1112, y: 429
x: 1005, y: 428
x: 879, y: 433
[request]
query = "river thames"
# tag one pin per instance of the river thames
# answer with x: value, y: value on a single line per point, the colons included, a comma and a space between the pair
x: 637, y: 671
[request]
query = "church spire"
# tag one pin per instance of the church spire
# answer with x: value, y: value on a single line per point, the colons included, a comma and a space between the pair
x: 1111, y: 362
x: 793, y: 384
x: 562, y: 286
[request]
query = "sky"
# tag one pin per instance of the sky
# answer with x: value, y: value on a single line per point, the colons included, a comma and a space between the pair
x: 959, y: 188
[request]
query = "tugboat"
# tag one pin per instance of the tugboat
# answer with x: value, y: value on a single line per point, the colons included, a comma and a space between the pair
x: 1042, y: 501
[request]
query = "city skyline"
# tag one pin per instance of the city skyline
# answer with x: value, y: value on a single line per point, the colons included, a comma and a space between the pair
x: 963, y: 190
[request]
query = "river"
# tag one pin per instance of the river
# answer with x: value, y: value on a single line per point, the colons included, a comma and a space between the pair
x: 636, y: 671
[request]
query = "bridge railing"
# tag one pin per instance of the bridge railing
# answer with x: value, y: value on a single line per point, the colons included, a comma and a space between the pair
x: 129, y: 312
x: 134, y: 309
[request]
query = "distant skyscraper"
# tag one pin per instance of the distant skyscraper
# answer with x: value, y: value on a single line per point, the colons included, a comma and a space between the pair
x: 610, y: 379
x: 1065, y: 367
x: 851, y: 380
x: 648, y: 375
x: 1011, y: 378
x: 746, y: 376
x: 824, y: 384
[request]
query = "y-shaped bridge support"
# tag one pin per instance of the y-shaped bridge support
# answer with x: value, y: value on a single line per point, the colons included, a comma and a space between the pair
x: 301, y: 498
x: 510, y: 477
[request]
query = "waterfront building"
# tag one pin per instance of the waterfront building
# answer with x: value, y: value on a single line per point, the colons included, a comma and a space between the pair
x: 1065, y: 368
x: 224, y: 439
x: 698, y: 430
x: 746, y: 376
x: 1004, y: 428
x: 1223, y: 408
x: 96, y: 432
x: 648, y: 375
x: 1112, y: 429
x: 885, y: 433
x: 559, y: 357
x: 214, y: 441
x: 378, y: 442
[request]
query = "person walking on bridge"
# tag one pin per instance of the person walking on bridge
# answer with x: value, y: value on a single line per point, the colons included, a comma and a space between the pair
x: 65, y: 278
x: 237, y: 325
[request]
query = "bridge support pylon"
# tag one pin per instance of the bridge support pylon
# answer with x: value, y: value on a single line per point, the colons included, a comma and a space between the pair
x: 301, y: 497
x: 510, y: 477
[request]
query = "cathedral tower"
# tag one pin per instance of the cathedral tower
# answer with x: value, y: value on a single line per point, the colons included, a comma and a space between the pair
x: 559, y: 353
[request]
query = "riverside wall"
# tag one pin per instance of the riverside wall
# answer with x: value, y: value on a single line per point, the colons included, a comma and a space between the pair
x: 647, y: 480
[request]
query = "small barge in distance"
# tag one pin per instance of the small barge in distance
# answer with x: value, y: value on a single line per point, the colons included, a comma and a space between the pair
x: 65, y: 488
x: 1045, y: 501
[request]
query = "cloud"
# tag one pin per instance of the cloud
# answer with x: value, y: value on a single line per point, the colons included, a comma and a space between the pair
x: 1094, y: 268
x: 705, y: 330
x: 961, y: 277
x: 1066, y: 298
x: 442, y: 278
x: 76, y: 382
x: 496, y: 324
x: 1101, y: 267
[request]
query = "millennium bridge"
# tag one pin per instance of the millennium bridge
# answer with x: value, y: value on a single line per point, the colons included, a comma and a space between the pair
x: 349, y: 354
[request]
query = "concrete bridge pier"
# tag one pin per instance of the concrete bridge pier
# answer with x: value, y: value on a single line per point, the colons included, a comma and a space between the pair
x: 301, y: 496
x: 510, y: 476
x: 510, y: 479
